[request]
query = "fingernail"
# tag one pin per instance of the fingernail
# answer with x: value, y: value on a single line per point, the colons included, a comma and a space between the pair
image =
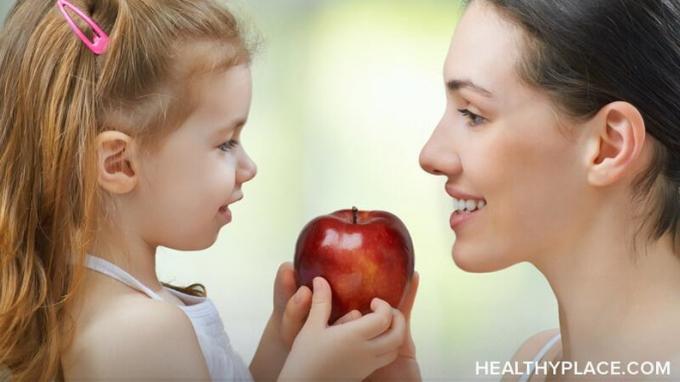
x: 317, y: 283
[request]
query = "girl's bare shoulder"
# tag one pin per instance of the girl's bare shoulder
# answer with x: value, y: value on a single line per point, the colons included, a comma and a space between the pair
x: 121, y: 333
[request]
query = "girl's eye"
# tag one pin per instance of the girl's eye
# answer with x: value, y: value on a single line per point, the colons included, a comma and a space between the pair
x: 226, y: 146
x: 474, y: 119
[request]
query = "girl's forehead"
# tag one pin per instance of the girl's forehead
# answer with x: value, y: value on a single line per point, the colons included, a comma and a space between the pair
x: 222, y: 98
x: 225, y: 91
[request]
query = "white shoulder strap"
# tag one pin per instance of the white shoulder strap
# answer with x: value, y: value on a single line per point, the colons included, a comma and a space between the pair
x: 541, y: 353
x: 102, y: 266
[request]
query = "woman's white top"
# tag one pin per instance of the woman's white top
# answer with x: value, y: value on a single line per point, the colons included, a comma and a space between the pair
x: 541, y: 353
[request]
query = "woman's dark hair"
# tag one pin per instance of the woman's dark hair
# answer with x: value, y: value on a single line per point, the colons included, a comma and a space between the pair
x: 589, y: 53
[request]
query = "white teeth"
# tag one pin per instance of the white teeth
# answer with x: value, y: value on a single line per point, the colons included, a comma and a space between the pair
x: 468, y: 205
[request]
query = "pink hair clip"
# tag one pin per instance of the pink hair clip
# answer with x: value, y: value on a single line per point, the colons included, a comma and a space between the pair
x: 101, y: 39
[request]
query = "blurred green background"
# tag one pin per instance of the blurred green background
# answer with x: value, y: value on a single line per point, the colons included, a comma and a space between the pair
x: 345, y: 95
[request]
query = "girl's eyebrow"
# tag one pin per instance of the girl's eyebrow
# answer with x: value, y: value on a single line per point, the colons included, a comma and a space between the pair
x: 232, y: 126
x: 455, y: 84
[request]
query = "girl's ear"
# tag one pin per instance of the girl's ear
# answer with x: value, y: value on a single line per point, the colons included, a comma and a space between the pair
x: 617, y: 143
x: 116, y: 162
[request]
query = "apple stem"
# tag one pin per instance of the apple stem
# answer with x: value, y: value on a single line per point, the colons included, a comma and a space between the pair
x: 354, y: 215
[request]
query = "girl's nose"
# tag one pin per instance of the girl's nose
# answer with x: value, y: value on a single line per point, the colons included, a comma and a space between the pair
x: 247, y: 169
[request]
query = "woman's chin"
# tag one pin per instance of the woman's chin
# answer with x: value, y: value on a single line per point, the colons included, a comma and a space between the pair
x: 476, y: 261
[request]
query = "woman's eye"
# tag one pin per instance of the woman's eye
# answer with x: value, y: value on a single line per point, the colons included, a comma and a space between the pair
x: 474, y: 119
x: 226, y: 146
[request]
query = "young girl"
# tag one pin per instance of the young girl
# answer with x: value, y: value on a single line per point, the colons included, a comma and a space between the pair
x: 560, y: 145
x: 120, y: 127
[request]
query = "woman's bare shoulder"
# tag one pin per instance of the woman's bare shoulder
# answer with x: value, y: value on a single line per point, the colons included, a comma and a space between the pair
x: 528, y: 350
x: 131, y: 336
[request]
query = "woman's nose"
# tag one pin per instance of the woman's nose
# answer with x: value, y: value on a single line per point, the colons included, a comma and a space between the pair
x: 438, y: 156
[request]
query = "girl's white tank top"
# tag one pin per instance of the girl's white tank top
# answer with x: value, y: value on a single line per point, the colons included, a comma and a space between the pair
x: 223, y: 363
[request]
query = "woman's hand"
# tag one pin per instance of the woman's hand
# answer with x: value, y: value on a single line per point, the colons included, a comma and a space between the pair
x: 352, y: 348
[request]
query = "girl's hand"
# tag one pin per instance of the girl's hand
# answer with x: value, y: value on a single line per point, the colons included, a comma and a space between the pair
x: 291, y: 306
x: 405, y: 367
x: 288, y: 315
x: 351, y: 349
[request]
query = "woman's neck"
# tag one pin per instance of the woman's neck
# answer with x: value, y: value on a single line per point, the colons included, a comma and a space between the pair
x: 616, y: 303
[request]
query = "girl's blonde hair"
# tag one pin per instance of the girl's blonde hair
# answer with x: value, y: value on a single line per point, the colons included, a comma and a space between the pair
x: 56, y: 96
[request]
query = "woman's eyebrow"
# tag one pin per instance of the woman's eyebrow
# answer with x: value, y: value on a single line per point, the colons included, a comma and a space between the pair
x: 454, y: 85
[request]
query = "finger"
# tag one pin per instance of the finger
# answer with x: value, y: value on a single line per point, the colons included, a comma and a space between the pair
x: 374, y: 323
x: 351, y: 316
x: 407, y: 302
x: 322, y: 303
x: 295, y: 314
x: 284, y: 286
x: 387, y: 358
x: 392, y: 339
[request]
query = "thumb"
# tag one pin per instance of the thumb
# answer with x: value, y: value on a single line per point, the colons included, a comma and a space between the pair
x: 284, y: 286
x: 295, y: 315
x: 322, y: 302
x: 410, y: 296
x: 408, y: 348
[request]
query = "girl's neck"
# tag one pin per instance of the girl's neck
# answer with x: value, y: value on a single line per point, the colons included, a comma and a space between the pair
x: 130, y: 253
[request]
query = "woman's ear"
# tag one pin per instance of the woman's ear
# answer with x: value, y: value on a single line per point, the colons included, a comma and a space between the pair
x: 616, y: 144
x: 116, y: 162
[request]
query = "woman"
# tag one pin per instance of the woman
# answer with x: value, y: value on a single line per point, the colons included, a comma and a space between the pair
x: 562, y: 131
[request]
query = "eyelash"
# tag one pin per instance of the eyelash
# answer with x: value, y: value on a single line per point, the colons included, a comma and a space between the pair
x: 472, y: 117
x: 229, y: 145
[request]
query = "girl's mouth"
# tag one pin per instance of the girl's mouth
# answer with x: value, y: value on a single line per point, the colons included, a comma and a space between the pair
x: 225, y: 213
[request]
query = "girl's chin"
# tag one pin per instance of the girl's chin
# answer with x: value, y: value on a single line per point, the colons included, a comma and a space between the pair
x: 198, y: 242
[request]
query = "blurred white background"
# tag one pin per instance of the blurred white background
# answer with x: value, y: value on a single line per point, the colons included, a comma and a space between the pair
x: 345, y: 95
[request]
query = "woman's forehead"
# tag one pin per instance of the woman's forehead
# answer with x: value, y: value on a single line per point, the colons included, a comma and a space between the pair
x: 485, y: 49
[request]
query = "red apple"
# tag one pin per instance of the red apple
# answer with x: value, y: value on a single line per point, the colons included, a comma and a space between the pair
x: 362, y: 255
